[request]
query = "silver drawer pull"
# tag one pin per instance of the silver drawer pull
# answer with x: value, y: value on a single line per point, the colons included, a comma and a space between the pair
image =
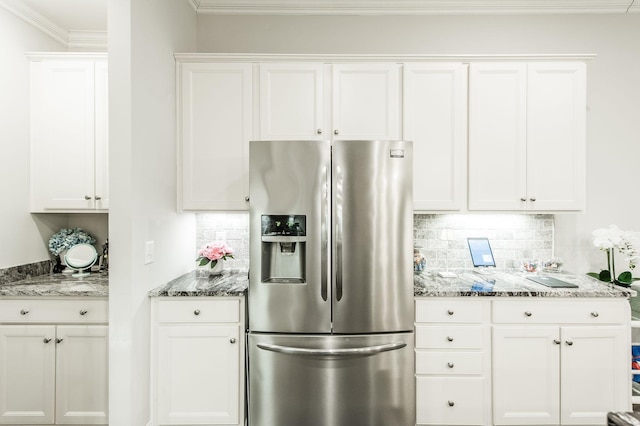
x: 450, y: 339
x: 527, y: 313
x: 87, y: 197
x: 196, y: 312
x: 569, y: 343
x: 556, y: 341
x: 83, y: 312
x: 24, y: 311
x: 450, y: 312
x: 46, y: 339
x: 232, y: 340
x: 59, y: 340
x: 450, y: 364
x: 451, y: 403
x: 595, y: 314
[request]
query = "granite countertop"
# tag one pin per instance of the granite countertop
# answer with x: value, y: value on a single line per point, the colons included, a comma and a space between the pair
x: 232, y: 282
x: 511, y: 283
x: 53, y: 285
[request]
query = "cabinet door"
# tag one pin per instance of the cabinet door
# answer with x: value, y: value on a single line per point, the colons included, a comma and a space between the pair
x: 366, y: 101
x: 198, y: 374
x: 27, y: 374
x: 526, y: 375
x: 435, y: 119
x: 101, y: 193
x: 291, y: 102
x: 497, y: 136
x: 82, y: 381
x: 215, y: 120
x: 556, y: 136
x: 62, y: 134
x: 595, y: 373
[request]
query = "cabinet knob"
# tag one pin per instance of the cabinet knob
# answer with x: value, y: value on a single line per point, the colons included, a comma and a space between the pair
x: 451, y: 403
x: 523, y: 199
x: 450, y: 339
x: 46, y: 339
x: 532, y: 199
x: 196, y: 312
x: 98, y: 198
x: 450, y: 312
x: 87, y: 197
x: 246, y: 198
x: 83, y: 312
x: 24, y: 311
x: 450, y: 364
x: 59, y: 340
x: 595, y: 314
x: 527, y: 313
x: 319, y: 131
x: 569, y: 343
x: 336, y: 132
x: 232, y: 340
x: 556, y: 341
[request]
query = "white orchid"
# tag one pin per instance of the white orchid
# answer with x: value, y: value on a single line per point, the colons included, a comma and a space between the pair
x: 613, y: 239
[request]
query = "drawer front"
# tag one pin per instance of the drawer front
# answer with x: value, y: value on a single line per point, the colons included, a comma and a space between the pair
x: 59, y: 310
x: 449, y: 363
x: 450, y: 310
x: 198, y: 310
x: 450, y: 337
x: 450, y: 401
x: 536, y: 311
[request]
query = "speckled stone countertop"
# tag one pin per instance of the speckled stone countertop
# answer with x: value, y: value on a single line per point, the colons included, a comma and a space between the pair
x: 232, y: 282
x: 53, y: 285
x: 511, y: 283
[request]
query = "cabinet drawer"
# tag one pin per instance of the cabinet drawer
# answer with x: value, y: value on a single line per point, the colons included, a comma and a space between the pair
x: 198, y: 310
x: 450, y: 311
x: 449, y: 363
x: 450, y: 337
x: 450, y: 401
x: 536, y: 311
x: 38, y: 310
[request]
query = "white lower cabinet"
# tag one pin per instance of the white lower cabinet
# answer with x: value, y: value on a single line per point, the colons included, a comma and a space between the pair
x: 560, y: 362
x: 53, y: 362
x: 452, y: 362
x: 198, y: 361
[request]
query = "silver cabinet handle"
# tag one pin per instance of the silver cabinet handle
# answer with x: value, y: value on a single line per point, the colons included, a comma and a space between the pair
x: 532, y: 199
x: 98, y: 198
x: 450, y: 339
x: 335, y: 132
x: 246, y: 198
x: 87, y: 197
x: 556, y: 341
x: 450, y: 364
x: 367, y: 350
x: 450, y: 312
x: 569, y: 343
x: 24, y: 311
x: 595, y: 314
x: 324, y: 243
x: 196, y: 312
x: 527, y: 313
x: 319, y: 131
x: 232, y: 340
x: 523, y: 199
x: 46, y: 339
x: 59, y: 340
x: 338, y: 206
x: 451, y: 403
x: 83, y: 312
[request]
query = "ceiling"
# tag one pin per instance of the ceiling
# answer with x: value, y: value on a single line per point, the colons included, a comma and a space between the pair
x: 83, y: 23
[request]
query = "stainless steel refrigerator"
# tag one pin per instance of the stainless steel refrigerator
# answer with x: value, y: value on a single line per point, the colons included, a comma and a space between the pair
x: 330, y: 298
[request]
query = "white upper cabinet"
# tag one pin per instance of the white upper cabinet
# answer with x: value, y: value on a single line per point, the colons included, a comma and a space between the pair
x: 69, y: 133
x: 435, y: 119
x: 291, y: 101
x: 527, y: 136
x: 314, y: 101
x: 215, y: 120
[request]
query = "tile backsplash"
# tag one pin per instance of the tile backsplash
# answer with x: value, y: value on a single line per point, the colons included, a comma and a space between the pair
x: 441, y: 237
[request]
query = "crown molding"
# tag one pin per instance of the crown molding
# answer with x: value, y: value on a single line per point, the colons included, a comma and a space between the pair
x: 410, y: 7
x: 70, y: 38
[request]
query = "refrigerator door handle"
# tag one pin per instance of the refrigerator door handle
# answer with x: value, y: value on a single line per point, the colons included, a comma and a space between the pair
x: 324, y: 215
x: 345, y: 352
x: 338, y: 226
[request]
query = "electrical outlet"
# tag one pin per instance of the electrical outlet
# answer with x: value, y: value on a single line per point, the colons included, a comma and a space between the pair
x: 149, y: 249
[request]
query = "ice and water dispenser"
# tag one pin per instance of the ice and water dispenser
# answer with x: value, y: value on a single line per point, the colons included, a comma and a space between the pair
x: 284, y: 240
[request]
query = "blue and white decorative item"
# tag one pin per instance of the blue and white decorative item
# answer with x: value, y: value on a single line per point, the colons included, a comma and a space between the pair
x: 80, y: 258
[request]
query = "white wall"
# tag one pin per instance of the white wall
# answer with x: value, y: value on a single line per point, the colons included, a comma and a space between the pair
x: 143, y: 35
x: 613, y: 117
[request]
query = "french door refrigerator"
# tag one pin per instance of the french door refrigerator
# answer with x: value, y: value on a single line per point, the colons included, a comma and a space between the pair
x: 330, y: 299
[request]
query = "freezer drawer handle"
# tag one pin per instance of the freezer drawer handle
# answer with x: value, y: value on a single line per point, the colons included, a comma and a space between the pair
x: 367, y: 350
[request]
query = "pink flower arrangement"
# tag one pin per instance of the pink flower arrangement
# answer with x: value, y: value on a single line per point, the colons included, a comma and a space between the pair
x: 212, y: 252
